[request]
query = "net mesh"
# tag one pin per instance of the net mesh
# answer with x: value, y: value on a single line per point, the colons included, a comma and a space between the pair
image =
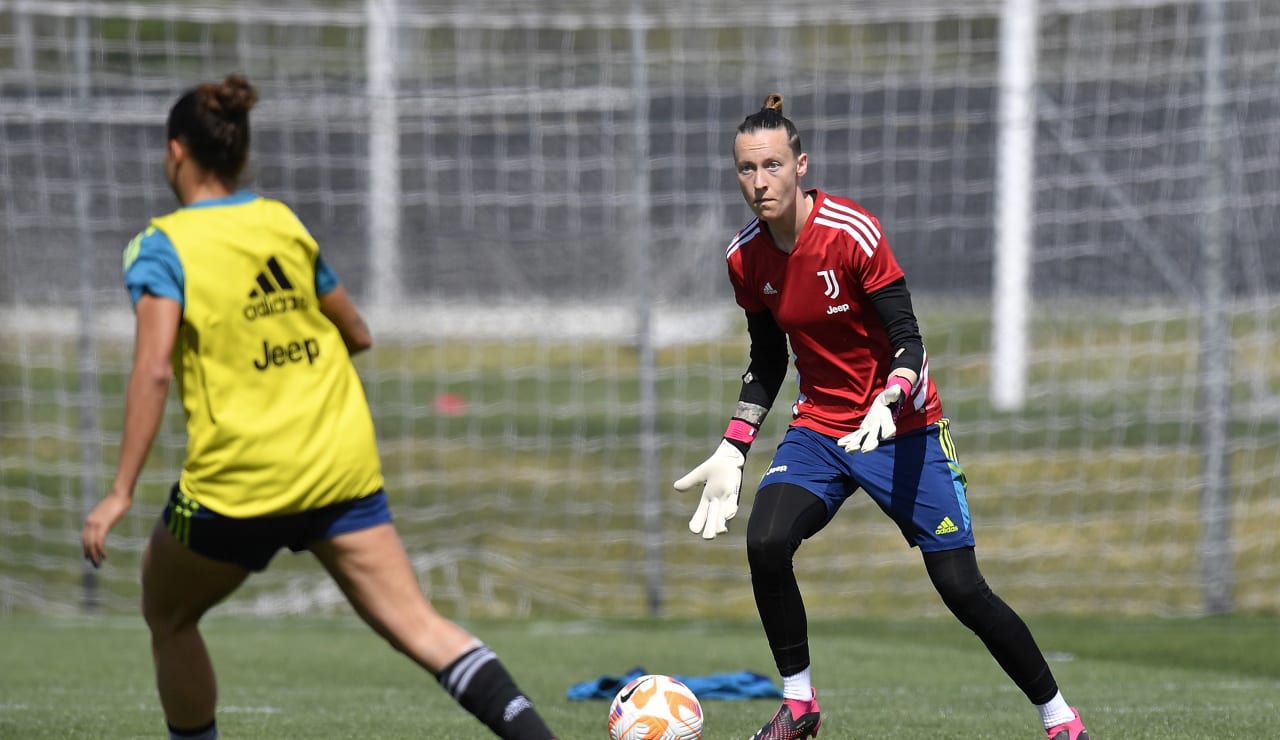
x: 559, y: 214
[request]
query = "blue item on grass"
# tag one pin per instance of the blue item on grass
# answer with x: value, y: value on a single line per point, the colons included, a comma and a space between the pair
x: 729, y: 685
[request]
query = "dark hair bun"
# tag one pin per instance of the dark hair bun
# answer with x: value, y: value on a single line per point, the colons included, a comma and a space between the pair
x: 231, y: 98
x: 773, y: 102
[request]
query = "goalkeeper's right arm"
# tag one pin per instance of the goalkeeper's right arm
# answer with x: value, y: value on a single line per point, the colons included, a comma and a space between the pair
x: 721, y: 474
x: 765, y: 373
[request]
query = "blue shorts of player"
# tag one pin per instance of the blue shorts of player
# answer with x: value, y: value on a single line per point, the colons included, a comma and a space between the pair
x: 915, y: 479
x: 251, y: 543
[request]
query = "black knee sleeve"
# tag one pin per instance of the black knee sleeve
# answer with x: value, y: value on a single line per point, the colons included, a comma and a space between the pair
x: 782, y: 516
x: 956, y: 577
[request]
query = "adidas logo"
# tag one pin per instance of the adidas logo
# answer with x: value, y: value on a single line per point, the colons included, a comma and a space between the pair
x: 515, y: 707
x: 946, y: 526
x: 768, y: 289
x: 264, y: 282
x: 272, y: 293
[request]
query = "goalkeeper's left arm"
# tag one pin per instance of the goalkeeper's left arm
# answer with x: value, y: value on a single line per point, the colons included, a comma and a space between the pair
x: 721, y: 474
x: 906, y: 370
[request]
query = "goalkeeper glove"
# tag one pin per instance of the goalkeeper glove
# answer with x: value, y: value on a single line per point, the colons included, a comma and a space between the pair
x: 721, y: 476
x: 879, y: 423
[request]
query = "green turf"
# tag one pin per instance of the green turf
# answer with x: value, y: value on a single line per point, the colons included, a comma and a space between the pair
x: 332, y: 678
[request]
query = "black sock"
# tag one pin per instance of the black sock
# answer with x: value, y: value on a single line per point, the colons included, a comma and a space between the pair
x: 208, y: 732
x: 479, y: 682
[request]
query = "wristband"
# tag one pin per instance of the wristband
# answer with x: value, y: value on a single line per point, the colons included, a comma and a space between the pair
x: 902, y: 383
x: 742, y: 431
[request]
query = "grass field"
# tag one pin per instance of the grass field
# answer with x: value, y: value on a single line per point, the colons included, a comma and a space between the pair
x: 1178, y: 679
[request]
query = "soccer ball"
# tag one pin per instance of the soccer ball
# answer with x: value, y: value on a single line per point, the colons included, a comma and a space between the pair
x: 655, y: 707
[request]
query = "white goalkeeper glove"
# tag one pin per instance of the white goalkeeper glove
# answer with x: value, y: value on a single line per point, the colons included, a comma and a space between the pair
x: 721, y: 476
x: 878, y: 425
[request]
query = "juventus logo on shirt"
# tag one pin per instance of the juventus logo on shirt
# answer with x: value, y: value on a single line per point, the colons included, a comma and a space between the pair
x: 833, y: 287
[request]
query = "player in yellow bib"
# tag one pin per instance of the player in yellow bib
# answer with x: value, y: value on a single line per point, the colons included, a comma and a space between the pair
x: 233, y: 300
x: 277, y: 422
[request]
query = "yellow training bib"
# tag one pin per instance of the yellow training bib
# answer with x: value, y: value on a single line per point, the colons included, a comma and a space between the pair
x: 277, y: 419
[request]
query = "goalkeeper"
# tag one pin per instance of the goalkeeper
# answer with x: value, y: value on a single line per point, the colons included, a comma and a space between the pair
x: 816, y: 269
x: 280, y: 442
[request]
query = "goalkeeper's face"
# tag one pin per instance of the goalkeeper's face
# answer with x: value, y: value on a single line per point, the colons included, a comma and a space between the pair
x: 769, y: 172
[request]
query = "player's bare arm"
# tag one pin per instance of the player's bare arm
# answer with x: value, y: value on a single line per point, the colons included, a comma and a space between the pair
x: 149, y: 380
x: 337, y: 306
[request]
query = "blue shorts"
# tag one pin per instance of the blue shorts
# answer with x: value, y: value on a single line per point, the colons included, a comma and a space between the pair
x: 915, y: 479
x: 252, y: 543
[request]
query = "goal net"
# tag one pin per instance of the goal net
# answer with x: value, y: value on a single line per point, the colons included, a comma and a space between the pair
x: 530, y: 203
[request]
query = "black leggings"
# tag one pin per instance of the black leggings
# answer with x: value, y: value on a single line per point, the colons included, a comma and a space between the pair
x: 784, y: 515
